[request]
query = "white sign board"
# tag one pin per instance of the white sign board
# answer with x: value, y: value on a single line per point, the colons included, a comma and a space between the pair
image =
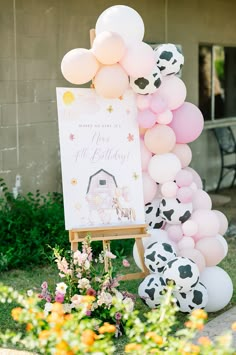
x: 100, y: 159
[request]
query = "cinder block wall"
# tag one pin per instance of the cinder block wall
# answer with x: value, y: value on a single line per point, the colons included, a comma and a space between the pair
x: 34, y: 36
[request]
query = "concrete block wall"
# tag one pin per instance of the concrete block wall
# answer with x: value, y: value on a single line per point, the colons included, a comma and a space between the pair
x: 34, y: 36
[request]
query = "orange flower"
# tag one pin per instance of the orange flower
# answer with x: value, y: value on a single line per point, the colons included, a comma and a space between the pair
x: 199, y: 314
x: 15, y: 313
x: 87, y: 299
x: 107, y: 328
x: 132, y: 347
x: 62, y: 348
x: 193, y: 325
x: 44, y: 334
x: 233, y: 326
x: 190, y: 349
x: 88, y: 337
x: 205, y: 341
x: 156, y: 338
x: 58, y: 308
x: 29, y: 326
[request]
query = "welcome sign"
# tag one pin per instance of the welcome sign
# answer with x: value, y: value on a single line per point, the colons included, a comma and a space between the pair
x: 100, y: 159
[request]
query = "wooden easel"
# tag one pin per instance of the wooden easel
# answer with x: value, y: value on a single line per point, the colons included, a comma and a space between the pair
x: 106, y: 235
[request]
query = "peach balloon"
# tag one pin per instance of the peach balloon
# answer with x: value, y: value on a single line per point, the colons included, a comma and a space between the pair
x: 201, y: 200
x: 195, y: 255
x: 149, y: 187
x: 212, y: 250
x: 111, y: 81
x: 184, y: 153
x: 142, y: 131
x: 189, y: 228
x: 169, y: 189
x: 173, y: 90
x: 186, y: 243
x: 159, y: 139
x: 145, y: 155
x: 108, y: 47
x: 207, y: 221
x: 79, y: 66
x: 165, y: 117
x: 222, y: 220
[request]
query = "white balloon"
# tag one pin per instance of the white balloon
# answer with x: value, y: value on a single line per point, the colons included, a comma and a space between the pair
x: 194, y: 299
x: 219, y: 287
x: 123, y: 20
x: 151, y: 290
x: 164, y: 167
x: 155, y: 235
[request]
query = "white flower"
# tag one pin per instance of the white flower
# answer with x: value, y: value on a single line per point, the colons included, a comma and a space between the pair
x: 86, y: 265
x: 30, y: 293
x: 104, y: 298
x: 61, y: 287
x: 47, y: 308
x: 67, y: 307
x: 76, y: 300
x: 118, y: 295
x: 84, y: 283
x: 129, y: 304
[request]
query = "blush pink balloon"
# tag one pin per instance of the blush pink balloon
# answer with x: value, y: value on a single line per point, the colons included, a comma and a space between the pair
x: 143, y: 102
x: 224, y: 243
x: 187, y: 123
x: 196, y: 256
x: 158, y: 104
x: 184, y: 153
x: 164, y: 167
x: 159, y: 139
x: 189, y: 228
x: 79, y: 66
x: 184, y: 178
x: 146, y: 119
x: 111, y: 81
x: 174, y: 232
x: 212, y: 250
x: 201, y: 200
x: 139, y: 60
x: 184, y: 194
x: 145, y: 155
x: 186, y: 243
x: 169, y: 189
x: 196, y: 177
x: 149, y: 187
x: 173, y: 90
x: 108, y: 47
x: 222, y: 221
x: 165, y: 117
x: 208, y: 224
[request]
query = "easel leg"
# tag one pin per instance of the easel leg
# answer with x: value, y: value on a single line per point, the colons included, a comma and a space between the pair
x: 74, y: 245
x: 140, y: 248
x: 107, y: 261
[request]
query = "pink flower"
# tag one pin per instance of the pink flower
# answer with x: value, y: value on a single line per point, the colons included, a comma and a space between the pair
x: 88, y: 313
x: 91, y: 292
x: 59, y: 297
x: 109, y: 255
x: 125, y: 263
x: 44, y: 285
x: 118, y: 316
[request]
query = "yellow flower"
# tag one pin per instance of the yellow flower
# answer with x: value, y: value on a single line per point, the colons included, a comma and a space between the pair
x: 190, y: 349
x: 88, y: 337
x: 107, y: 328
x: 156, y: 338
x: 15, y: 313
x: 68, y: 98
x: 132, y: 347
x: 199, y: 314
x: 62, y: 348
x: 44, y: 334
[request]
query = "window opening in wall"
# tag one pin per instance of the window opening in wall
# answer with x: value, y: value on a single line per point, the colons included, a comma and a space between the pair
x: 217, y: 81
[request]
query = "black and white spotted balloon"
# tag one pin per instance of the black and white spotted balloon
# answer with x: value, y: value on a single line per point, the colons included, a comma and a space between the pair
x: 183, y: 272
x: 147, y: 85
x: 173, y: 211
x: 152, y: 214
x: 157, y: 255
x: 151, y: 290
x: 194, y: 299
x: 169, y: 59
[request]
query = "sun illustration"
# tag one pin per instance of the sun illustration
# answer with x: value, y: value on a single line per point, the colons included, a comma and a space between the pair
x: 73, y: 181
x: 68, y: 98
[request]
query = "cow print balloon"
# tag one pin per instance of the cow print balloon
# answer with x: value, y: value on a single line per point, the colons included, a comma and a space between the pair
x: 182, y: 272
x: 151, y: 290
x: 147, y: 85
x: 194, y: 299
x: 152, y: 214
x: 173, y: 211
x: 169, y: 59
x: 157, y: 255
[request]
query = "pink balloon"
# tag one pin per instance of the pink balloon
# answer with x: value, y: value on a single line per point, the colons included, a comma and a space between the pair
x: 111, y: 81
x: 158, y: 104
x: 223, y: 243
x: 149, y: 188
x: 212, y: 250
x: 196, y: 177
x: 145, y: 155
x: 139, y: 60
x: 189, y: 228
x: 184, y: 194
x: 222, y: 221
x: 187, y: 123
x: 79, y: 66
x: 143, y: 102
x: 186, y: 243
x: 163, y: 167
x: 142, y: 131
x: 159, y: 139
x: 108, y: 47
x: 196, y: 256
x: 174, y: 232
x: 173, y: 90
x: 201, y: 200
x: 165, y: 117
x: 146, y: 119
x: 184, y: 178
x: 169, y: 189
x: 184, y: 153
x: 208, y: 224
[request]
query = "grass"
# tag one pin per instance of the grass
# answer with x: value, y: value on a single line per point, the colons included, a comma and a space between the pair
x: 23, y: 280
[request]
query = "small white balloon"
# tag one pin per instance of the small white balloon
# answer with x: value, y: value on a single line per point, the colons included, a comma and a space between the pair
x: 151, y: 290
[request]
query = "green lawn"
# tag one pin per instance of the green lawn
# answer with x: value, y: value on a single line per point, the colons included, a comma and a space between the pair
x: 23, y: 280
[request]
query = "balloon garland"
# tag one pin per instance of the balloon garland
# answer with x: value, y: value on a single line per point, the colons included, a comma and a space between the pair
x: 186, y: 240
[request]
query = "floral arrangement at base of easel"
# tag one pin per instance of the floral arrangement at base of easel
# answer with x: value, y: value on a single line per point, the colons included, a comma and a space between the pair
x: 84, y: 276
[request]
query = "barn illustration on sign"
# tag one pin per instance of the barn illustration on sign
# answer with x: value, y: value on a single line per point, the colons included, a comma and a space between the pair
x: 106, y: 200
